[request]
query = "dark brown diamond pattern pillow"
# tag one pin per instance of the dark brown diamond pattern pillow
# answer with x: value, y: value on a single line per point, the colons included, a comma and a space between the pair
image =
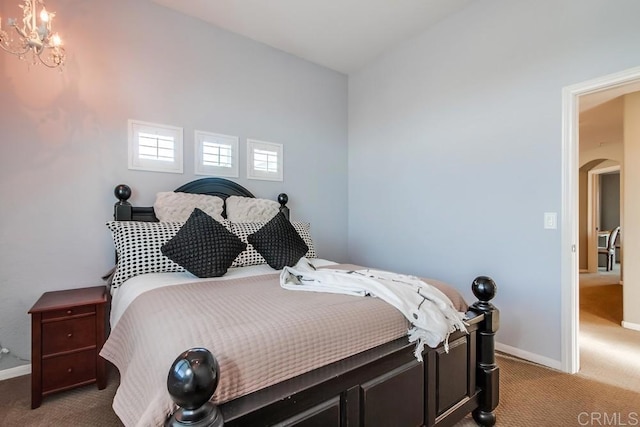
x: 203, y: 246
x: 278, y: 242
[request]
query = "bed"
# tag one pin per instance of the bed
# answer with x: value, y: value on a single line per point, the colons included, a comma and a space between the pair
x: 365, y: 374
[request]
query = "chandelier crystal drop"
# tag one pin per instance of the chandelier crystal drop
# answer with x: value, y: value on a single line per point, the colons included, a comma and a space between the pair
x: 33, y: 34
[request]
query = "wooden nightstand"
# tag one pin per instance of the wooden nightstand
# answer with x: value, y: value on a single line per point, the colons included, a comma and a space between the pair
x: 67, y: 332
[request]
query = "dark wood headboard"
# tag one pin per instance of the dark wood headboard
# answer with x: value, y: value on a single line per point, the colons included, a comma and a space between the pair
x: 123, y: 211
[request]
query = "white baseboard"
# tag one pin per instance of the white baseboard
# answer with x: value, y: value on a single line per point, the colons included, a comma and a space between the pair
x: 18, y: 371
x: 630, y: 325
x: 532, y: 357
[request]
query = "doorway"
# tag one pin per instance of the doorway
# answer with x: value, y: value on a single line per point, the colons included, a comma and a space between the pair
x: 622, y: 83
x: 601, y: 204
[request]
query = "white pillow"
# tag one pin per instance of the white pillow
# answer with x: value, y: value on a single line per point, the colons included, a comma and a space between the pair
x: 249, y: 209
x: 173, y: 206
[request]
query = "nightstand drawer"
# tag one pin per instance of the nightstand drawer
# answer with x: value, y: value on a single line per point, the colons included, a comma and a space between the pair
x: 68, y: 335
x: 68, y: 312
x: 65, y: 371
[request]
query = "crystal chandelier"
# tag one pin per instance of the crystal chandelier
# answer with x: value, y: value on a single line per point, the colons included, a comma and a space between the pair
x: 34, y: 38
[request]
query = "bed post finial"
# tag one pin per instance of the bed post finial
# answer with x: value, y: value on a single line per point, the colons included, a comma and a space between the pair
x: 484, y: 288
x: 192, y: 380
x: 122, y: 193
x: 283, y: 199
x: 122, y: 208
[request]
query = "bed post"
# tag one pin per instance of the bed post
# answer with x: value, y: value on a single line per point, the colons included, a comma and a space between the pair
x: 122, y: 208
x: 192, y: 381
x: 283, y: 199
x: 488, y: 373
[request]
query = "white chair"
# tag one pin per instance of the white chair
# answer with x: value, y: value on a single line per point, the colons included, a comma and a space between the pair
x: 610, y: 250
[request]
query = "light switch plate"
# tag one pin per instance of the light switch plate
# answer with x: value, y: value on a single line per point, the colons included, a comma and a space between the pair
x: 550, y: 220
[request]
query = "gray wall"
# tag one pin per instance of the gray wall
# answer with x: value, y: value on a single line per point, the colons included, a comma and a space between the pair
x: 455, y: 149
x: 64, y: 138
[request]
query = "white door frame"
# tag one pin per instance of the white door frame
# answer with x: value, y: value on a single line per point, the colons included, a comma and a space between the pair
x: 569, y: 211
x: 593, y: 220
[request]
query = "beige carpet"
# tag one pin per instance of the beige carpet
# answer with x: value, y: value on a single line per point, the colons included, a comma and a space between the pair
x: 608, y: 352
x: 84, y: 406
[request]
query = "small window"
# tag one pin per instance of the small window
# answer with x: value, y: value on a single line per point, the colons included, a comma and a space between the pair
x: 155, y: 147
x: 216, y: 154
x: 264, y: 160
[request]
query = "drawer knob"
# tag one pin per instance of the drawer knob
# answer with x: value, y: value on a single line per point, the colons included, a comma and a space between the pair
x: 69, y: 335
x: 69, y: 312
x: 70, y: 370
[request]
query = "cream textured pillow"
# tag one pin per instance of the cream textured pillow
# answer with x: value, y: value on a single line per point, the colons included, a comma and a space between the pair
x: 173, y: 206
x: 249, y: 209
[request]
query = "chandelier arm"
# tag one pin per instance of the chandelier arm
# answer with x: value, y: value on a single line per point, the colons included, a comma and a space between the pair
x: 46, y: 64
x: 22, y: 31
x: 58, y: 59
x: 14, y: 52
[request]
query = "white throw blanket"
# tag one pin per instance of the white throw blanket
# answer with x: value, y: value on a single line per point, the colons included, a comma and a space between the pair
x: 429, y: 310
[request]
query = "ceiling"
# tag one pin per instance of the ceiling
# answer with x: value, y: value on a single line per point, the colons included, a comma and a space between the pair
x: 343, y: 35
x: 346, y: 35
x: 602, y: 116
x: 592, y: 100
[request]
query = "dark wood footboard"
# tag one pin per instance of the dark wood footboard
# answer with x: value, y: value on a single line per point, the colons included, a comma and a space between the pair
x: 387, y: 386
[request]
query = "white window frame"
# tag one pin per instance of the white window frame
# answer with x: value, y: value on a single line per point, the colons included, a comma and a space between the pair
x: 254, y: 145
x: 202, y: 137
x: 136, y: 162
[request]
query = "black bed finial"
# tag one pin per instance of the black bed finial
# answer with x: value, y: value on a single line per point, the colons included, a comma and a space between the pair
x: 484, y: 288
x: 283, y: 199
x: 192, y: 380
x: 122, y: 208
x: 122, y: 193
